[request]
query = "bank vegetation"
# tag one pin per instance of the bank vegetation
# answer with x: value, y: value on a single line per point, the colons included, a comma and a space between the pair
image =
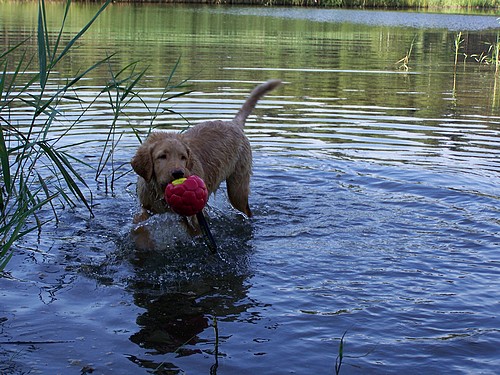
x: 384, y: 4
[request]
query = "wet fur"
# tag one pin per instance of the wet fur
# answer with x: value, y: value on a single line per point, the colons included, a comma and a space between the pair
x: 216, y: 151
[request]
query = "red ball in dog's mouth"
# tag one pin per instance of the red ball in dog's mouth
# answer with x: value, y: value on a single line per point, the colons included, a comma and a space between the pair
x: 187, y: 196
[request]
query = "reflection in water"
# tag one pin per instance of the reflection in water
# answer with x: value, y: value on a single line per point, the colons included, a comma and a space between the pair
x: 170, y: 325
x: 183, y: 288
x: 424, y: 20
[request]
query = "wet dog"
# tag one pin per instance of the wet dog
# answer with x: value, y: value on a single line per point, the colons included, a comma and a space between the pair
x: 216, y: 151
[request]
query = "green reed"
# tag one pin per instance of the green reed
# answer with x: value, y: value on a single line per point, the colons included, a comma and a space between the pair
x: 489, y: 56
x: 215, y: 366
x: 458, y: 41
x: 37, y: 169
x: 340, y: 355
x: 122, y: 90
x: 494, y: 51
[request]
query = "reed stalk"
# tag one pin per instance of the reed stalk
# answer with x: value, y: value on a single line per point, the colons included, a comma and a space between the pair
x: 403, y: 63
x: 496, y: 54
x: 340, y: 355
x: 457, y: 42
x: 121, y: 91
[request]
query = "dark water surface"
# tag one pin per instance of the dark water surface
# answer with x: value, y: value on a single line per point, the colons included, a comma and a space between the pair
x: 375, y: 194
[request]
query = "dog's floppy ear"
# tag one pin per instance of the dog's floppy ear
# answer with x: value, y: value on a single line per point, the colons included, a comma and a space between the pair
x: 193, y: 164
x: 142, y: 162
x: 190, y: 161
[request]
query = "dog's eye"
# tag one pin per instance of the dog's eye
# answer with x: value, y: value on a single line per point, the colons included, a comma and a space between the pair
x: 184, y: 157
x: 162, y: 156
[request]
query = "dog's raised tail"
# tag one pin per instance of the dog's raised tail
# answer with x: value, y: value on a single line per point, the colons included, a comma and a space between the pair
x: 254, y: 97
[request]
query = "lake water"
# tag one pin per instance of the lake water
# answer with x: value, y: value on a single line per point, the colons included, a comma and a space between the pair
x: 375, y: 193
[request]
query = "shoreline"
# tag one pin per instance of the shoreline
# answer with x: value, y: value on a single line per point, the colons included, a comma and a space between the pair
x: 428, y: 5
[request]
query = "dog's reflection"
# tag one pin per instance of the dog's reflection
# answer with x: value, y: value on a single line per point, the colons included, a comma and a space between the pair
x: 183, y: 292
x: 170, y: 324
x: 174, y: 321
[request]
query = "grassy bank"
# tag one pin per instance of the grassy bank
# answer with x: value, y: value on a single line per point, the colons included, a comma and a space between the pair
x: 392, y: 4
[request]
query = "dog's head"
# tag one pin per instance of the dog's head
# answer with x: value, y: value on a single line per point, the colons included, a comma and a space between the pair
x: 162, y: 159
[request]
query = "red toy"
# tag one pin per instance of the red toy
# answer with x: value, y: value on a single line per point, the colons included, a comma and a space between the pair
x: 187, y: 196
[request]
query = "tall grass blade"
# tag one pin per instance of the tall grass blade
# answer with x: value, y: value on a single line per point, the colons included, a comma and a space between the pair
x: 42, y: 44
x: 4, y: 159
x: 120, y: 93
x: 65, y: 167
x: 46, y: 190
x: 12, y: 231
x: 27, y: 155
x: 16, y: 46
x: 82, y: 31
x: 340, y: 356
x: 42, y: 107
x: 61, y: 29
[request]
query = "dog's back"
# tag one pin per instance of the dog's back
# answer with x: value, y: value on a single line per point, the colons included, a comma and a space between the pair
x: 217, y: 142
x: 224, y: 151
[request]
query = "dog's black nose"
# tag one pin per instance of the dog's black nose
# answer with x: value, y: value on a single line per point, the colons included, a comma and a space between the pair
x: 178, y: 173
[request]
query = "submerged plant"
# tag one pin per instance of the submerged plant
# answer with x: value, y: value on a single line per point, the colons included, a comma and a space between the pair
x: 491, y: 56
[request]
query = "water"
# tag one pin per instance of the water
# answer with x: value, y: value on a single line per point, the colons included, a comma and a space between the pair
x: 375, y: 195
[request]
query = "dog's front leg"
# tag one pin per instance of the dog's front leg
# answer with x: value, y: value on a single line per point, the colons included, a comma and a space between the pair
x: 140, y: 232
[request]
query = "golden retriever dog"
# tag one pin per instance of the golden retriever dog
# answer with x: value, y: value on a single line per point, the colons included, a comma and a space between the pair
x: 216, y: 151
